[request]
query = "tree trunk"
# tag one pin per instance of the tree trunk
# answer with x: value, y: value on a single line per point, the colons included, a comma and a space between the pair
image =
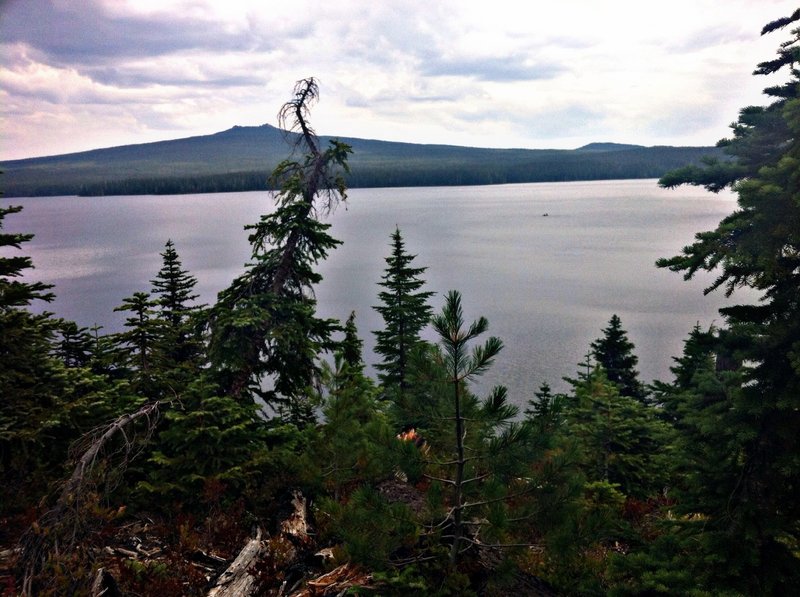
x: 459, y: 481
x: 237, y: 581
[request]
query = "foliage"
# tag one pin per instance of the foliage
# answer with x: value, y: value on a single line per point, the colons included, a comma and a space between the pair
x: 614, y: 352
x: 178, y: 346
x: 602, y: 490
x: 739, y: 422
x: 405, y: 311
x: 46, y: 402
x: 356, y: 442
x: 481, y: 468
x: 371, y: 528
x: 621, y: 440
x: 207, y: 438
x: 264, y: 324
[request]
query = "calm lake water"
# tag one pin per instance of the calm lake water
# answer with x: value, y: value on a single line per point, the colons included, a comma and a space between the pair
x: 547, y: 284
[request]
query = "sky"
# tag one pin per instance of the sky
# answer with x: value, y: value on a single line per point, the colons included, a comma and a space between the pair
x: 83, y: 74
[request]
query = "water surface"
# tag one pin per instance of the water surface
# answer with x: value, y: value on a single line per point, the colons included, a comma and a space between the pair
x: 547, y: 283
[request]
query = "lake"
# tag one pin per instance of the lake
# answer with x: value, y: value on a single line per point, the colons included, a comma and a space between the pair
x: 548, y: 284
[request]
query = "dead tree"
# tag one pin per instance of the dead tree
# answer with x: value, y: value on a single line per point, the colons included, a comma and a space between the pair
x: 62, y: 528
x: 262, y: 324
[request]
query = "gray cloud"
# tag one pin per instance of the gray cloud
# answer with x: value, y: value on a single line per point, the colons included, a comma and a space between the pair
x: 131, y: 78
x: 497, y: 69
x: 566, y: 121
x: 84, y: 73
x: 84, y: 33
x: 710, y: 37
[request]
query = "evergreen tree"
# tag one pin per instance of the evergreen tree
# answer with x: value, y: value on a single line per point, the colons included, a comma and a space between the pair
x: 264, y: 324
x: 546, y: 410
x: 623, y: 454
x: 26, y: 368
x: 355, y: 443
x: 699, y: 355
x: 620, y: 439
x: 747, y: 491
x: 178, y: 346
x: 614, y: 352
x: 45, y: 403
x: 75, y: 346
x: 352, y: 346
x: 136, y: 345
x: 207, y: 439
x: 173, y: 288
x: 405, y: 311
x: 15, y: 293
x: 481, y: 467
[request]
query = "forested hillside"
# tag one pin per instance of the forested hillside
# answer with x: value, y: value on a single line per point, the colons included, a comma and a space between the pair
x: 240, y: 448
x: 242, y: 158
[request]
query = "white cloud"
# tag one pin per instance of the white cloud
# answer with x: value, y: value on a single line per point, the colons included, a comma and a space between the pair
x: 107, y: 72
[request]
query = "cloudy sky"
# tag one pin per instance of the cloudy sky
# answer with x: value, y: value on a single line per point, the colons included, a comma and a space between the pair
x: 82, y: 74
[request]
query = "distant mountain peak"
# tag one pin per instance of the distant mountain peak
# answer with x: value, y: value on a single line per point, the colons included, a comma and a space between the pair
x: 609, y: 147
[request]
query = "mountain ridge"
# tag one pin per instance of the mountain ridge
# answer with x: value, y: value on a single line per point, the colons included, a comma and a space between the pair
x: 241, y: 158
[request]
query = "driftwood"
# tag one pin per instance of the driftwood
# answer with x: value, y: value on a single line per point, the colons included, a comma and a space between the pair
x: 237, y: 581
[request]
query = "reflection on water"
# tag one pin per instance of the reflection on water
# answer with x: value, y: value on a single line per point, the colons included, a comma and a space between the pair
x: 547, y: 284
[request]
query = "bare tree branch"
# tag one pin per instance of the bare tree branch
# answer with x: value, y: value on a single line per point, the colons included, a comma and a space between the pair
x: 61, y: 527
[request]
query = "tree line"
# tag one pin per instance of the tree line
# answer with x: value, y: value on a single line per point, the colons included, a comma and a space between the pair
x: 562, y: 166
x: 199, y: 423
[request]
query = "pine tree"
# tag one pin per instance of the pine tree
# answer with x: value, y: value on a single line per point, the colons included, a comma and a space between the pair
x: 488, y: 451
x: 623, y: 454
x: 264, y: 326
x: 622, y: 441
x: 15, y: 293
x: 546, y: 410
x: 405, y: 313
x: 355, y: 443
x: 746, y: 486
x: 141, y: 333
x: 207, y: 439
x: 75, y: 346
x: 46, y: 403
x: 178, y: 346
x: 614, y: 352
x: 135, y: 347
x: 26, y: 368
x: 173, y: 288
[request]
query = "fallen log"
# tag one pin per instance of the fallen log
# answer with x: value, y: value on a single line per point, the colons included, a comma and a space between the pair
x: 237, y: 581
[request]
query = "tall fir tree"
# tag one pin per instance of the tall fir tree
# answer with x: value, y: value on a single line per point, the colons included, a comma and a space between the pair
x: 173, y: 288
x: 614, y: 352
x: 179, y: 345
x: 405, y: 311
x: 747, y: 491
x: 26, y: 368
x: 75, y: 346
x: 45, y: 402
x: 135, y: 347
x: 265, y: 325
